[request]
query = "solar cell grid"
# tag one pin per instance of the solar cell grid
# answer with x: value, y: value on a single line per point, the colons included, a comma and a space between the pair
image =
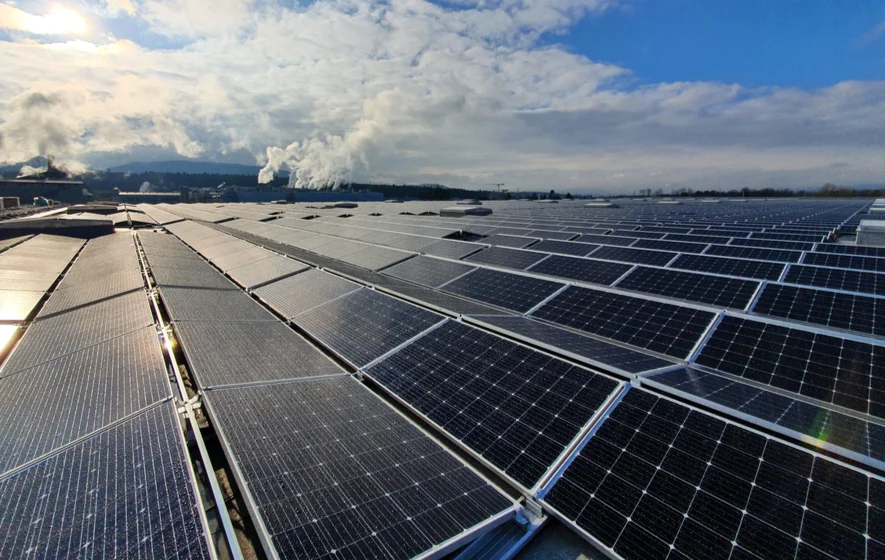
x: 837, y: 279
x: 607, y: 240
x: 335, y: 472
x: 693, y: 238
x: 302, y: 292
x: 674, y: 246
x: 659, y: 480
x: 872, y: 264
x: 851, y: 312
x: 638, y: 256
x: 428, y: 271
x: 365, y: 324
x: 125, y: 492
x: 565, y: 248
x: 851, y: 250
x: 704, y: 288
x: 754, y: 253
x: 509, y: 291
x: 828, y: 427
x: 820, y: 366
x: 768, y: 244
x: 661, y: 327
x: 584, y: 270
x: 761, y: 270
x: 787, y: 236
x: 507, y: 258
x: 516, y: 241
x: 517, y: 408
x: 196, y: 304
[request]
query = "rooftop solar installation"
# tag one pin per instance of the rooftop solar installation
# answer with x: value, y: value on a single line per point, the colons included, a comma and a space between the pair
x: 428, y: 271
x: 719, y: 291
x: 507, y: 258
x: 124, y: 492
x: 509, y: 291
x: 332, y: 470
x: 661, y: 480
x: 364, y: 325
x: 345, y: 371
x: 665, y: 328
x: 517, y: 408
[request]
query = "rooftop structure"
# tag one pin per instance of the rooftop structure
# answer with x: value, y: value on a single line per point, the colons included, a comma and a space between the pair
x: 695, y: 382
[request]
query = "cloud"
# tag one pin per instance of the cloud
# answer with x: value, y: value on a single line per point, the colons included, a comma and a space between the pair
x: 59, y: 21
x: 115, y: 7
x: 410, y: 91
x: 872, y: 35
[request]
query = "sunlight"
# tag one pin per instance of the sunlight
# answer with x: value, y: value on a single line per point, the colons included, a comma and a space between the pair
x: 59, y: 21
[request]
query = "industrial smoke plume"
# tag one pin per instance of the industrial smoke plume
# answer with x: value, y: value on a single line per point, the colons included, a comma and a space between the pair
x: 330, y: 161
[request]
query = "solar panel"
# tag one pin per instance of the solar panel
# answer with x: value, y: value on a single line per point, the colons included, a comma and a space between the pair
x: 508, y: 258
x: 451, y: 249
x: 851, y: 250
x: 52, y: 337
x: 590, y: 350
x: 761, y: 270
x: 565, y: 248
x: 787, y: 237
x: 302, y: 292
x: 852, y: 312
x: 661, y: 327
x: 639, y: 256
x: 234, y: 352
x: 15, y: 280
x: 190, y: 274
x: 514, y: 241
x: 195, y: 304
x: 17, y: 305
x: 674, y: 246
x: 517, y: 408
x: 704, y: 288
x: 606, y: 240
x: 659, y: 480
x: 845, y: 261
x: 428, y: 271
x: 584, y: 270
x: 753, y: 253
x: 333, y: 471
x: 769, y: 244
x: 86, y: 292
x: 443, y: 301
x: 257, y: 274
x: 509, y: 291
x: 375, y: 258
x: 558, y: 235
x: 247, y: 255
x: 694, y: 238
x: 837, y: 279
x: 364, y: 325
x: 823, y: 367
x: 125, y: 492
x: 54, y: 403
x: 850, y: 436
x: 638, y: 233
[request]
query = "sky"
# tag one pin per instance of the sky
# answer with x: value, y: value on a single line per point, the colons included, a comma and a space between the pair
x: 590, y: 96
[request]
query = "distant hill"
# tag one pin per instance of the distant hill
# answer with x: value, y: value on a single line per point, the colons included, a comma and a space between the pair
x: 189, y: 166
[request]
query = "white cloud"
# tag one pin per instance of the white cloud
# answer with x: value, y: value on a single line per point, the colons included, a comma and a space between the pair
x: 409, y: 91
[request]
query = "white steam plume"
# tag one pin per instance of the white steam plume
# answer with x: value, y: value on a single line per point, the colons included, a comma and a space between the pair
x: 28, y: 171
x: 330, y: 161
x: 146, y: 187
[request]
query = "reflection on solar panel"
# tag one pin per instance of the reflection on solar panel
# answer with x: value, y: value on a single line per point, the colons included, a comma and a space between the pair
x: 837, y: 310
x: 596, y: 352
x: 661, y: 327
x: 862, y: 439
x: 509, y: 291
x: 257, y: 274
x: 837, y: 279
x: 195, y: 304
x: 517, y: 408
x: 366, y: 324
x: 834, y: 370
x: 754, y: 253
x: 335, y: 472
x: 299, y: 293
x: 451, y: 249
x: 224, y: 353
x: 704, y: 288
x: 584, y: 270
x: 659, y: 480
x: 508, y: 258
x: 428, y: 271
x: 515, y: 241
x: 52, y: 404
x: 125, y: 492
x: 17, y: 305
x: 639, y: 256
x: 761, y: 270
x: 845, y: 261
x: 565, y: 248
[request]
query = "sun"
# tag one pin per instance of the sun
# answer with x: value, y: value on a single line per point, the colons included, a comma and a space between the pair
x: 63, y: 21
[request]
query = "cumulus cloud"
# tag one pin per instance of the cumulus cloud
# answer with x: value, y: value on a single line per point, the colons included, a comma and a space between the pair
x: 407, y: 90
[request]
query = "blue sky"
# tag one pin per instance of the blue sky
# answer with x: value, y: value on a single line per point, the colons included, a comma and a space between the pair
x: 801, y: 43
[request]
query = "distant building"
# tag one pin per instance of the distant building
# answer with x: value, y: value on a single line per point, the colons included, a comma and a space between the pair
x: 63, y: 190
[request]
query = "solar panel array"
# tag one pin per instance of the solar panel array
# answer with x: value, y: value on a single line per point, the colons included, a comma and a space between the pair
x: 677, y: 381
